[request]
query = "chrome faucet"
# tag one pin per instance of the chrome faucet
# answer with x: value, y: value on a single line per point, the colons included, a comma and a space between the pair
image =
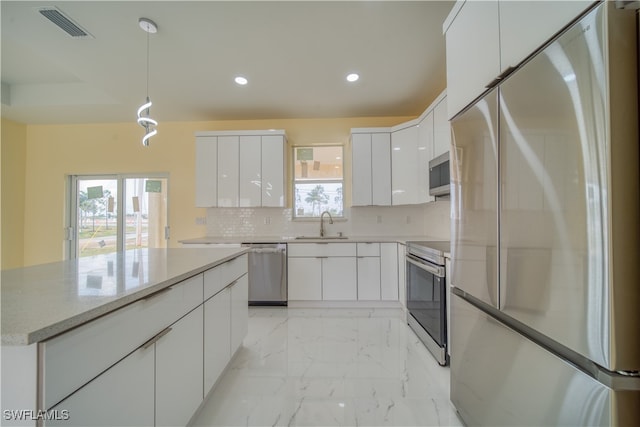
x: 322, y: 222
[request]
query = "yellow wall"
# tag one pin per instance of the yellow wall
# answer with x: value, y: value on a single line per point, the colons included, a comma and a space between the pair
x: 55, y: 151
x: 14, y: 142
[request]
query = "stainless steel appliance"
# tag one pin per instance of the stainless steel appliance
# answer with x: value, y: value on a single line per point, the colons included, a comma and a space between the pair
x: 267, y: 273
x: 439, y: 178
x: 427, y: 295
x: 545, y: 237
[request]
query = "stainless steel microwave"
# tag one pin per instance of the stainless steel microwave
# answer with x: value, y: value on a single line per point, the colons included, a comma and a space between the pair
x: 439, y: 177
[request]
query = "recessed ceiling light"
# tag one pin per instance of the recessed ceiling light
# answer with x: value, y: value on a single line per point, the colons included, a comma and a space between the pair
x: 241, y: 80
x: 352, y: 77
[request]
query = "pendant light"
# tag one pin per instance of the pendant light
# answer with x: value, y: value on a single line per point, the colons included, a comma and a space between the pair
x: 144, y: 120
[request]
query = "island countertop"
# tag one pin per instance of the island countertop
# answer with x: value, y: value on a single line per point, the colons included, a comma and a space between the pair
x: 41, y: 301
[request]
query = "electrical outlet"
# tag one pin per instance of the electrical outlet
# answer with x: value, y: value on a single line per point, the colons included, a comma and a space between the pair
x: 267, y: 220
x: 379, y: 219
x: 408, y: 219
x: 201, y: 220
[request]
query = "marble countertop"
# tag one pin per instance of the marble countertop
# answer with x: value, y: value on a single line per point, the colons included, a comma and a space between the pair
x: 44, y: 300
x: 213, y: 240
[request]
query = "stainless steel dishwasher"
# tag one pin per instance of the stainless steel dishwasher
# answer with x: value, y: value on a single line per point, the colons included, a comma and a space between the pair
x: 267, y: 273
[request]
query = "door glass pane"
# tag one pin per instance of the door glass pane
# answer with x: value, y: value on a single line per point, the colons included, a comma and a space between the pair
x: 146, y: 212
x: 97, y: 216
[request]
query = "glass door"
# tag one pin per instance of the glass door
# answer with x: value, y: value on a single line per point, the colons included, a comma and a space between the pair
x: 146, y: 212
x: 110, y: 213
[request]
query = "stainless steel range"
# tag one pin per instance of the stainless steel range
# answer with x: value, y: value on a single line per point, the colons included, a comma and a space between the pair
x: 427, y: 295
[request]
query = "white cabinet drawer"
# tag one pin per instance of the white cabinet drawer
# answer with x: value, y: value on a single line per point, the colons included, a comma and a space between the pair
x: 321, y: 249
x: 107, y: 399
x: 75, y: 357
x: 368, y: 249
x: 222, y: 275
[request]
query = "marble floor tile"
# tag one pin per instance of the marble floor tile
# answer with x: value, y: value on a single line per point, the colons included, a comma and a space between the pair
x: 330, y: 367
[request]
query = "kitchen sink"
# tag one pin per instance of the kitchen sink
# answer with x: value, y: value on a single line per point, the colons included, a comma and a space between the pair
x: 321, y: 238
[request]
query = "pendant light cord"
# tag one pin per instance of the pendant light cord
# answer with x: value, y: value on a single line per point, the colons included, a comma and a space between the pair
x: 147, y: 66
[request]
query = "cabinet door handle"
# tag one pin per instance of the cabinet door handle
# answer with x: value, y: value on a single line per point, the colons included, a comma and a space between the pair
x: 153, y: 340
x: 155, y: 294
x: 321, y: 257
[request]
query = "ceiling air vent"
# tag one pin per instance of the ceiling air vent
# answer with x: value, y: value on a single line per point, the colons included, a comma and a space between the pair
x: 56, y: 16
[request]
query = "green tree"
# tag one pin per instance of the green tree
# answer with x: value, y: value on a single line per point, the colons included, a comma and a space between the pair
x: 317, y: 198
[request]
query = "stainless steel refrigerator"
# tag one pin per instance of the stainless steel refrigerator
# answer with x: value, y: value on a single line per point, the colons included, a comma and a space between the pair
x: 545, y: 236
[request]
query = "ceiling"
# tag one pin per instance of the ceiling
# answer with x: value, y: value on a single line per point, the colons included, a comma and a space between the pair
x: 295, y: 54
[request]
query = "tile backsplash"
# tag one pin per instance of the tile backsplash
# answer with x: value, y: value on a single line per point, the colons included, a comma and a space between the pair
x: 431, y: 219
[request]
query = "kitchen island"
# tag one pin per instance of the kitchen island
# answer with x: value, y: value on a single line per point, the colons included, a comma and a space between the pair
x: 122, y: 338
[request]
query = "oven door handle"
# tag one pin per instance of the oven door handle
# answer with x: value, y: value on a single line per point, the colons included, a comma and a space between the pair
x: 435, y: 270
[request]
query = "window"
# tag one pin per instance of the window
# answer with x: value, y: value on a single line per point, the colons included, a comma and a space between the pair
x: 318, y: 181
x: 117, y: 212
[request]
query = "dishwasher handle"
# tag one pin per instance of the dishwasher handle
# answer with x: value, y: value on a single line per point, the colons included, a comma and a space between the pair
x: 267, y: 250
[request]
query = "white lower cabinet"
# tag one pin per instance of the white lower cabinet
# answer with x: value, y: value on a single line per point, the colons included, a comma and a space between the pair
x: 389, y: 272
x: 343, y: 272
x: 402, y: 293
x: 369, y: 278
x: 217, y: 337
x: 304, y: 279
x: 339, y: 278
x: 179, y: 370
x: 239, y: 312
x: 107, y: 399
x: 151, y: 362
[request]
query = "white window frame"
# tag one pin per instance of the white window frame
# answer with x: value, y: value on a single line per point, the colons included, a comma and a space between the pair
x: 294, y: 215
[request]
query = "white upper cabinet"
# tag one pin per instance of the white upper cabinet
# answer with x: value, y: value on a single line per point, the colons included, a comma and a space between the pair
x: 206, y: 171
x: 362, y: 180
x: 404, y: 166
x: 228, y: 171
x: 371, y: 169
x: 473, y: 52
x: 486, y: 39
x: 273, y: 170
x: 240, y: 169
x: 250, y: 171
x: 424, y: 154
x: 381, y: 168
x: 527, y: 25
x: 441, y: 129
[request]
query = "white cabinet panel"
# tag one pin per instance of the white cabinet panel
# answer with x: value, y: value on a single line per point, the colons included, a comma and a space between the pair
x: 472, y: 52
x: 402, y: 288
x: 228, y: 171
x: 206, y: 171
x: 321, y: 249
x: 368, y: 249
x: 273, y: 171
x: 250, y: 173
x: 389, y: 271
x: 339, y: 279
x: 371, y: 169
x: 381, y: 169
x: 179, y: 371
x: 404, y: 166
x: 107, y: 399
x: 362, y: 180
x: 239, y: 312
x: 304, y: 279
x: 217, y: 337
x: 441, y: 129
x: 424, y: 154
x: 369, y: 278
x: 527, y: 25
